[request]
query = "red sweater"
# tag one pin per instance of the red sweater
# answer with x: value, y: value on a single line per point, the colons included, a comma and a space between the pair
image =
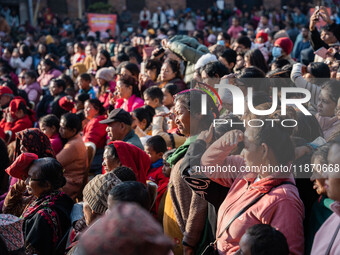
x: 156, y: 175
x: 95, y: 132
x: 16, y: 126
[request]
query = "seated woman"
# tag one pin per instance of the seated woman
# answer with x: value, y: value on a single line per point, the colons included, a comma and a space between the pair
x: 120, y: 153
x: 276, y: 192
x: 47, y: 217
x: 49, y: 71
x: 73, y: 156
x: 17, y: 119
x: 128, y: 94
x: 142, y: 119
x: 106, y: 84
x: 94, y: 133
x: 171, y: 74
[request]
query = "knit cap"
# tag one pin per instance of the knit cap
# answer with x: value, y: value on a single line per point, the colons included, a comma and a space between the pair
x: 285, y: 43
x: 97, y: 191
x: 106, y: 73
x: 205, y: 59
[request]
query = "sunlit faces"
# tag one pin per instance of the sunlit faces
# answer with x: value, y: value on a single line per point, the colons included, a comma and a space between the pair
x: 326, y: 106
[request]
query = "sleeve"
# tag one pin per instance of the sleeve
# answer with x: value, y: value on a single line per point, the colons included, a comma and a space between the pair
x: 32, y: 95
x: 315, y: 40
x: 186, y: 52
x: 25, y: 64
x: 94, y: 133
x: 291, y: 225
x: 17, y: 126
x: 65, y: 156
x: 300, y: 82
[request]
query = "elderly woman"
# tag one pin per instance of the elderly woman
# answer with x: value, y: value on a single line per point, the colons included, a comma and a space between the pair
x: 73, y: 156
x: 47, y: 217
x: 185, y: 212
x: 120, y: 153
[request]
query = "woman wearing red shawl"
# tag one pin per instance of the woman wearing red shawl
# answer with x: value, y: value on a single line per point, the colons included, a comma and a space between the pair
x: 119, y: 153
x: 29, y: 140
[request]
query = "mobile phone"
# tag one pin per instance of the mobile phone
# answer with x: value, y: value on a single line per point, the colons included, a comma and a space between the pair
x: 160, y: 51
x: 317, y: 8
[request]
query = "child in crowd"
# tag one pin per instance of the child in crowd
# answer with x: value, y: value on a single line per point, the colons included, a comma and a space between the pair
x: 49, y: 125
x: 263, y: 239
x: 155, y: 147
x: 153, y: 97
x: 50, y: 102
x: 141, y: 122
x: 169, y: 91
x: 166, y: 166
x: 84, y: 83
x: 32, y: 87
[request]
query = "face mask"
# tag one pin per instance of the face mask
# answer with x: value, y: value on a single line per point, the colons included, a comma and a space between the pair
x: 276, y: 52
x: 220, y: 42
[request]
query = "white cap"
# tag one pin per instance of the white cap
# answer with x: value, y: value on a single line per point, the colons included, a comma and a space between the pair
x: 205, y: 59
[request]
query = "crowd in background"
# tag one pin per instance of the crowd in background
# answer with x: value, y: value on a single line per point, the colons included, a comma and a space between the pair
x: 102, y: 134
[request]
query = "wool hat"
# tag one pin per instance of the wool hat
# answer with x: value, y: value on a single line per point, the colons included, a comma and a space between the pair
x: 5, y: 90
x: 119, y: 115
x: 285, y: 43
x: 19, y: 168
x: 66, y: 104
x: 127, y: 229
x: 211, y: 39
x: 262, y: 34
x: 14, y: 104
x: 97, y: 190
x: 11, y: 231
x: 205, y: 59
x: 106, y: 73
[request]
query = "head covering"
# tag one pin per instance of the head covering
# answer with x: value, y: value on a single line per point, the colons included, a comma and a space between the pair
x: 49, y: 39
x: 205, y: 59
x: 80, y: 67
x: 5, y: 90
x: 14, y: 104
x: 262, y: 34
x: 281, y: 33
x: 128, y: 228
x: 11, y: 232
x: 285, y: 43
x: 106, y: 73
x: 19, y: 168
x: 97, y: 190
x: 119, y: 115
x: 66, y: 104
x: 134, y: 158
x: 211, y: 39
x: 35, y: 141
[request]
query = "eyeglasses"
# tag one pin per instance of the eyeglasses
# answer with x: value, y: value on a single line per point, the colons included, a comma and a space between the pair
x: 29, y: 178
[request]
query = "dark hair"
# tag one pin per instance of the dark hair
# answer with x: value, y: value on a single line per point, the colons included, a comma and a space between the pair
x: 68, y: 80
x: 80, y: 45
x: 130, y: 81
x: 26, y: 51
x: 133, y: 68
x: 175, y: 67
x: 50, y: 171
x: 225, y: 35
x: 82, y: 97
x: 121, y: 57
x: 132, y: 52
x: 157, y: 143
x: 333, y: 89
x: 154, y: 92
x: 320, y: 70
x: 50, y: 63
x: 131, y: 191
x: 168, y: 153
x: 266, y: 240
x: 279, y: 63
x: 308, y: 128
x: 60, y: 83
x: 97, y: 105
x: 85, y: 77
x: 192, y: 100
x: 229, y: 55
x: 245, y: 41
x: 278, y: 140
x: 72, y: 121
x: 31, y: 74
x: 108, y: 62
x: 215, y: 68
x: 198, y: 35
x: 256, y: 84
x: 50, y: 120
x: 171, y: 88
x: 125, y: 174
x: 256, y: 59
x: 152, y: 64
x: 146, y: 112
x: 111, y: 149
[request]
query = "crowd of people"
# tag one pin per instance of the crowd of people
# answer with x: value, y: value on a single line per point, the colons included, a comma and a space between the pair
x: 106, y: 137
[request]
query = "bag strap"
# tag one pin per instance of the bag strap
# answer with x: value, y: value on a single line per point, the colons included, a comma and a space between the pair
x: 172, y: 139
x: 332, y: 241
x: 244, y: 209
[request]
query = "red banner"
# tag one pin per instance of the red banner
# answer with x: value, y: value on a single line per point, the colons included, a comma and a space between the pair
x: 102, y: 22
